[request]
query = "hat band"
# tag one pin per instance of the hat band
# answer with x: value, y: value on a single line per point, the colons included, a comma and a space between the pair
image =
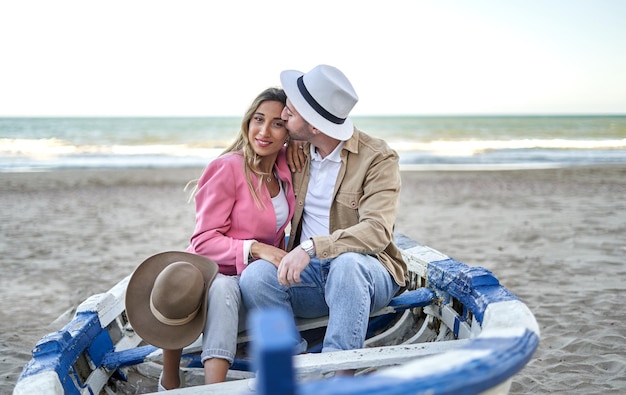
x: 316, y: 106
x: 173, y: 321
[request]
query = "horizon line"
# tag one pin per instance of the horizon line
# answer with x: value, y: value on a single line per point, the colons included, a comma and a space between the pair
x: 451, y: 115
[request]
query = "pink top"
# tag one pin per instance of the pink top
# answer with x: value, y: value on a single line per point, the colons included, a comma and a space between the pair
x: 227, y: 215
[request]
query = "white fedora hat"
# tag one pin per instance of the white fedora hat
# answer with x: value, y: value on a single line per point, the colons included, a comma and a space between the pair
x: 324, y: 97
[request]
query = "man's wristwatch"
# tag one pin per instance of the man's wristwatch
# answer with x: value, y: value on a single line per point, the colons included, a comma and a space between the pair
x: 309, y: 247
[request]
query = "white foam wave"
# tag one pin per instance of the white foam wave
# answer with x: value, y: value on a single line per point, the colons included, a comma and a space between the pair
x: 53, y: 148
x: 20, y: 153
x: 466, y: 148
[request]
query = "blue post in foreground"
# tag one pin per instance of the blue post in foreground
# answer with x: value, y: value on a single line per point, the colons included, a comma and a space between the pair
x: 274, y: 340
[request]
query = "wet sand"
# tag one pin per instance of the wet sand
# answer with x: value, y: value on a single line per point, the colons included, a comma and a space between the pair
x: 556, y: 238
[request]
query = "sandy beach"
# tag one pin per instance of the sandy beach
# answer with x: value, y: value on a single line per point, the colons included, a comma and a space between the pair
x: 556, y: 238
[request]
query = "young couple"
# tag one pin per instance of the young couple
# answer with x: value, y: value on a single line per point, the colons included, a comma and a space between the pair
x: 341, y: 201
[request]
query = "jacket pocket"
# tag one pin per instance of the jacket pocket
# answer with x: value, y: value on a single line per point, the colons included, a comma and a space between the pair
x: 348, y: 206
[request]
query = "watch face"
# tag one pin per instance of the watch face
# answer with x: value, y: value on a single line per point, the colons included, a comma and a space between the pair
x: 308, y: 246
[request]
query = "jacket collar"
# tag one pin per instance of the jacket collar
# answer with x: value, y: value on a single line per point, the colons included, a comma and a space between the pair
x: 352, y: 144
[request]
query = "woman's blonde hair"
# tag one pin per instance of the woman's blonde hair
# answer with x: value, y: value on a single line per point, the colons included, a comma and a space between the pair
x: 251, y: 160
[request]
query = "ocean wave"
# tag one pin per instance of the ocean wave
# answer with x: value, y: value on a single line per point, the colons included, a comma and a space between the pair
x: 50, y: 147
x: 53, y: 147
x: 52, y: 153
x: 466, y: 148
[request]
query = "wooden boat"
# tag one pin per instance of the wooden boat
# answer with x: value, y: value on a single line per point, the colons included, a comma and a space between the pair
x: 455, y: 330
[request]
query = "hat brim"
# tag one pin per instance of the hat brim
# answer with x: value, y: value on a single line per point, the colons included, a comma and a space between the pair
x: 140, y: 285
x: 289, y: 81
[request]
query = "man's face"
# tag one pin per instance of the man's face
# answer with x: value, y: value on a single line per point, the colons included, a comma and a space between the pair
x: 298, y: 128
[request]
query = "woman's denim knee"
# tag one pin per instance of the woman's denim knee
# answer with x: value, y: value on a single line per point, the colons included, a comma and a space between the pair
x: 225, y: 288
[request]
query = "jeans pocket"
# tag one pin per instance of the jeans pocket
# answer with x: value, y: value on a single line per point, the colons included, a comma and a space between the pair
x: 324, y: 270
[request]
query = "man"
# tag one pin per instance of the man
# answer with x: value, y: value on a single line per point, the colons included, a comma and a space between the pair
x: 344, y: 263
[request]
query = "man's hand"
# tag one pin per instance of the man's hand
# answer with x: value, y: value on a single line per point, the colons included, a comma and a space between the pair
x: 291, y: 266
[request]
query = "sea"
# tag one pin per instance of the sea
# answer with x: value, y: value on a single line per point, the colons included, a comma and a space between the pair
x: 422, y: 142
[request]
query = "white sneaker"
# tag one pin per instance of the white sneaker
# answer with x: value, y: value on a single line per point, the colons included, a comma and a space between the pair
x: 181, y: 379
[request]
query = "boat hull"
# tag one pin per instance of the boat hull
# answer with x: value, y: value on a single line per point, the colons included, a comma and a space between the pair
x: 456, y: 330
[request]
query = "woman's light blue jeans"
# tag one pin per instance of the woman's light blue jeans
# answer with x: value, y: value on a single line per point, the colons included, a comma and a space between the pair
x: 347, y: 289
x: 225, y: 318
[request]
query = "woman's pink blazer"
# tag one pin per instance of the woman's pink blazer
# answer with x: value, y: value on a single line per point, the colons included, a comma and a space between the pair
x: 226, y: 213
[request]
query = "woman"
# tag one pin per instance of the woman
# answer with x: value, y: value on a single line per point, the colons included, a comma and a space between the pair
x: 244, y: 201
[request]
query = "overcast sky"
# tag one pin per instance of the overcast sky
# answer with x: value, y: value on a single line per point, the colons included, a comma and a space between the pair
x: 210, y: 58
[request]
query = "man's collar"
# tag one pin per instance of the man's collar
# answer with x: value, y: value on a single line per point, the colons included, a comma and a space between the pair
x: 334, y: 156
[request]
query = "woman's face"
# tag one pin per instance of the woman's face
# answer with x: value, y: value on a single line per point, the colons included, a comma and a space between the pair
x: 266, y: 131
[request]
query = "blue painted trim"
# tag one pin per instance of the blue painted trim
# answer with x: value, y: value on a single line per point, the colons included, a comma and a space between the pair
x: 407, y: 300
x: 240, y: 364
x: 272, y: 351
x: 507, y: 357
x: 417, y: 298
x: 381, y: 322
x: 457, y: 325
x: 100, y: 346
x: 474, y: 287
x: 133, y: 356
x: 404, y: 242
x: 58, y: 351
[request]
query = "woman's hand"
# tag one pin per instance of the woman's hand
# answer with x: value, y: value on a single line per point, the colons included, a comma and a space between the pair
x: 267, y: 252
x: 295, y: 155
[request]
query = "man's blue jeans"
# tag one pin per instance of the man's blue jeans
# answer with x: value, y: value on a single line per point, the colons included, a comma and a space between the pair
x: 347, y: 289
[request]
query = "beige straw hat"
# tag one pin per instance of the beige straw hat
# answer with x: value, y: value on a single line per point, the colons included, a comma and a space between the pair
x: 166, y: 298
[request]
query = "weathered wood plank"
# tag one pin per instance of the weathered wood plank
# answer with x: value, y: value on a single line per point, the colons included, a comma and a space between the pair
x: 370, y: 357
x: 319, y: 364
